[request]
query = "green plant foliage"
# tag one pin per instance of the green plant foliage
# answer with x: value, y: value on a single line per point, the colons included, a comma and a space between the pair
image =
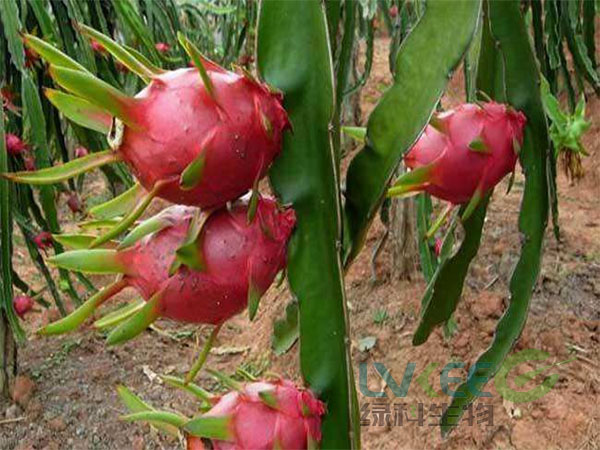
x: 521, y: 78
x: 421, y: 75
x: 305, y: 175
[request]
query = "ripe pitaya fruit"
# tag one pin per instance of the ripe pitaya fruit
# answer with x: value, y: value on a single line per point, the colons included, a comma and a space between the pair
x: 198, y: 136
x: 260, y: 415
x: 266, y: 415
x: 14, y: 144
x: 393, y: 11
x: 162, y: 47
x: 463, y: 153
x: 43, y: 240
x: 22, y: 304
x: 189, y: 267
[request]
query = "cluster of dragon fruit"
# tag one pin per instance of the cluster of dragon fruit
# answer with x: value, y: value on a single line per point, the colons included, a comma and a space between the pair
x: 202, y: 138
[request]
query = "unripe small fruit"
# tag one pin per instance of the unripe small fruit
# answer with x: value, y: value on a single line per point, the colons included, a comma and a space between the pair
x: 22, y: 304
x: 14, y: 144
x: 81, y: 151
x: 162, y: 47
x: 43, y: 240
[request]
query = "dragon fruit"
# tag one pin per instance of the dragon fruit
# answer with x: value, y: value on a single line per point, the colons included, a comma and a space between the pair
x: 162, y: 47
x: 463, y: 153
x: 22, y: 304
x: 191, y: 267
x: 198, y: 136
x: 43, y: 240
x: 81, y: 151
x: 267, y: 415
x: 14, y: 144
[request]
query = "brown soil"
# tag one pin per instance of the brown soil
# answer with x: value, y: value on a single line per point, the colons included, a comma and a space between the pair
x: 73, y: 403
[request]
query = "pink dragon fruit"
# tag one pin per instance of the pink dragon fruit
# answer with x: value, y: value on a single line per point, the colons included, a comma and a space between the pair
x: 393, y: 11
x: 227, y: 265
x: 266, y: 415
x: 81, y: 151
x: 43, y: 240
x: 464, y: 152
x: 162, y: 47
x: 22, y: 304
x: 14, y: 144
x: 198, y: 136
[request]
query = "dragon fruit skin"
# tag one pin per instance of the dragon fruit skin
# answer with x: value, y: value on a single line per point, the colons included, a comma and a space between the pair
x: 14, y: 144
x: 235, y: 254
x: 291, y: 422
x: 179, y: 121
x: 474, y: 150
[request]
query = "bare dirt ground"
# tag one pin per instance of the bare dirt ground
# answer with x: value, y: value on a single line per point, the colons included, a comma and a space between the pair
x: 67, y: 397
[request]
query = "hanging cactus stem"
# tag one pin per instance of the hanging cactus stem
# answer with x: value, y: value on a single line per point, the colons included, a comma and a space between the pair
x: 137, y: 323
x: 77, y: 317
x: 201, y: 359
x: 57, y: 174
x: 130, y: 219
x: 441, y: 219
